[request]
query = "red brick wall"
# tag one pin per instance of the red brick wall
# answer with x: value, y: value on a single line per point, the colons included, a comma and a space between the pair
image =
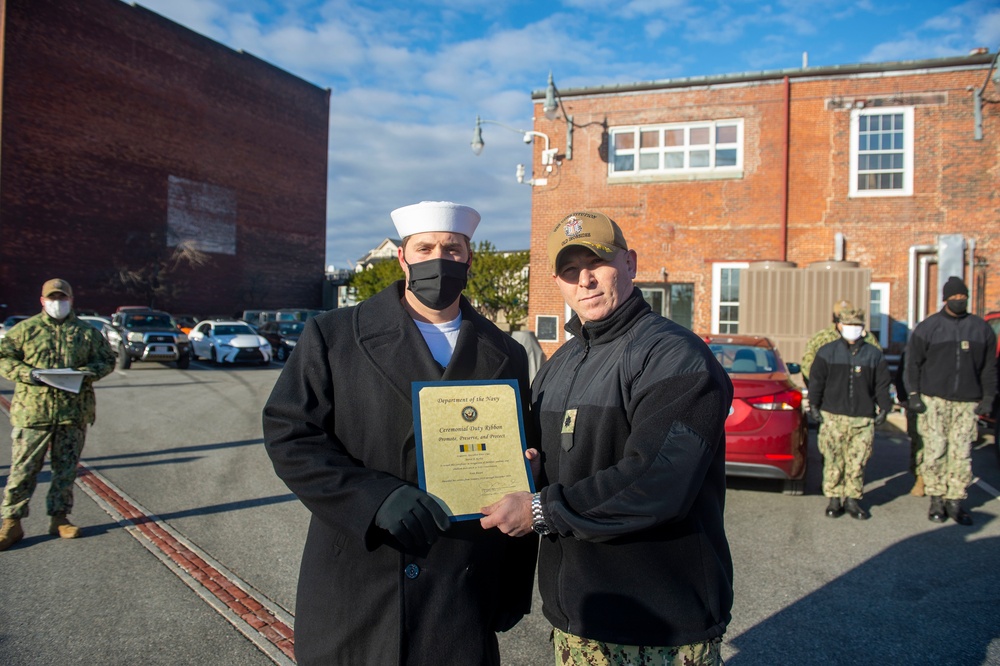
x: 683, y: 227
x: 102, y: 103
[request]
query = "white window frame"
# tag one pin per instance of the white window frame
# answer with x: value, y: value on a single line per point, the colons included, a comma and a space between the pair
x: 908, y: 131
x: 717, y: 269
x: 687, y: 171
x: 883, y: 290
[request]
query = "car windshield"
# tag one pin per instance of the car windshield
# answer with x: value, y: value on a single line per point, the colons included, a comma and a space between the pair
x: 744, y: 360
x: 233, y: 329
x: 291, y: 328
x: 149, y: 321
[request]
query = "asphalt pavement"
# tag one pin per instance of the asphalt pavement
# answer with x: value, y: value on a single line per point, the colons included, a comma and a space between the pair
x: 190, y: 550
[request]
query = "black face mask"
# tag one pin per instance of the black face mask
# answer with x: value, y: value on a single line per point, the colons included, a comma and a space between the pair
x: 437, y: 283
x: 957, y: 306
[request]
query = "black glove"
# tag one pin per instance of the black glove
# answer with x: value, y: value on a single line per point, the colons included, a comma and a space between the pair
x: 881, y: 416
x: 35, y: 379
x: 984, y: 408
x: 814, y: 414
x: 412, y: 516
x: 915, y: 404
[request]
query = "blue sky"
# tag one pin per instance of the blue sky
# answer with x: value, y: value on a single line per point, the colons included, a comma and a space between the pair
x: 407, y: 79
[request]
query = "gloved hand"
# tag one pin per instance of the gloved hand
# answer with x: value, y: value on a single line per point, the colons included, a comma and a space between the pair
x: 984, y: 408
x: 881, y: 416
x: 915, y: 404
x: 412, y: 516
x: 815, y: 414
x: 35, y: 379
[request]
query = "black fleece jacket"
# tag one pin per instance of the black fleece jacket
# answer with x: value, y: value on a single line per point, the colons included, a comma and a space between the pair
x: 850, y: 379
x: 632, y: 412
x: 952, y: 358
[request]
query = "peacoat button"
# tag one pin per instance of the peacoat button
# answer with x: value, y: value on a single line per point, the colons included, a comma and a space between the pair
x: 412, y: 571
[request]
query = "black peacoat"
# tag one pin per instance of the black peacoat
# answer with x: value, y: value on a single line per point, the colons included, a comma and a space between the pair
x: 338, y: 427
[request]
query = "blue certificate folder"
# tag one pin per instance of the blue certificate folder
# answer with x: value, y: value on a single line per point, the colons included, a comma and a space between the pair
x: 470, y: 442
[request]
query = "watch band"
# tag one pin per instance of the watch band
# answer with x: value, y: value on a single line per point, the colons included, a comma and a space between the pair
x: 537, y: 518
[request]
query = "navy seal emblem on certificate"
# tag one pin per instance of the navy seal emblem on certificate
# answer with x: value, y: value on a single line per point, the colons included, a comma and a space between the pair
x: 470, y: 443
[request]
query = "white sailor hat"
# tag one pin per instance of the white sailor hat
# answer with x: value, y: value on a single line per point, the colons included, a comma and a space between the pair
x: 435, y: 216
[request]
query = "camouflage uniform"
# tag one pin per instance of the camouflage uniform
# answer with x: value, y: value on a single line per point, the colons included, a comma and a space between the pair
x: 44, y: 417
x: 947, y: 428
x: 846, y: 445
x: 578, y: 651
x: 827, y: 335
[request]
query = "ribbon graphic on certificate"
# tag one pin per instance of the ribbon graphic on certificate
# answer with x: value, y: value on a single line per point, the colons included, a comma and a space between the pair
x: 470, y: 443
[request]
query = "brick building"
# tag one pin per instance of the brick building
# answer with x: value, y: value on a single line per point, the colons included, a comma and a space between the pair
x: 129, y: 140
x: 875, y: 164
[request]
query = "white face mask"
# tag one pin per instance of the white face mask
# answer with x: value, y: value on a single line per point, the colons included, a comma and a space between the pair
x: 852, y: 333
x: 56, y: 309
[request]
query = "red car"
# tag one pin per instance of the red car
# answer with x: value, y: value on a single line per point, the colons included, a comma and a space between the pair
x: 766, y: 432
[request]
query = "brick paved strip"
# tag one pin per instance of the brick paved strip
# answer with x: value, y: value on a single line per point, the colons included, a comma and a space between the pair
x: 254, y: 615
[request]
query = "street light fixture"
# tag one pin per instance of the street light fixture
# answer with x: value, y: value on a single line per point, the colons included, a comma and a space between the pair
x: 548, y: 153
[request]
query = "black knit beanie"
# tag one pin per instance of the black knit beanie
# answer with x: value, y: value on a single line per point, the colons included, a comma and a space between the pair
x: 953, y: 286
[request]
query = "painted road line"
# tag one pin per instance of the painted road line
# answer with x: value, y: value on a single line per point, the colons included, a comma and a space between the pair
x: 255, y: 616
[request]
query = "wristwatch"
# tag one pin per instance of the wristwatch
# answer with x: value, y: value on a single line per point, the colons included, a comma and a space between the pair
x: 537, y: 519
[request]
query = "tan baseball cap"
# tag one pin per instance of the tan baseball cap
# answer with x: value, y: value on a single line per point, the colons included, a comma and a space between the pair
x: 841, y: 305
x: 590, y: 229
x: 56, y: 285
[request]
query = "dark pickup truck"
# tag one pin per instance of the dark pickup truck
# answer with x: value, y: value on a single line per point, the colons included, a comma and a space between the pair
x: 148, y: 335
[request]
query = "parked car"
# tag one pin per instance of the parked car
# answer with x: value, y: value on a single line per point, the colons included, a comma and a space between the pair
x: 229, y: 341
x: 296, y: 314
x: 186, y: 322
x: 9, y: 323
x: 97, y: 321
x: 282, y: 335
x: 766, y: 431
x: 993, y: 420
x: 147, y: 335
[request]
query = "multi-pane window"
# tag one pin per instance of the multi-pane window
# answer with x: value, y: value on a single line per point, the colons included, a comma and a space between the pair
x: 675, y: 301
x: 677, y: 148
x: 882, y: 152
x: 726, y: 297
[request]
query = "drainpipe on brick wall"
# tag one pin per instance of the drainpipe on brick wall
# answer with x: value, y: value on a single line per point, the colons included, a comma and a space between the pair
x: 784, y: 169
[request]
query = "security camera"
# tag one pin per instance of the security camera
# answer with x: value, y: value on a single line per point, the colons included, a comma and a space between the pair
x: 527, y: 137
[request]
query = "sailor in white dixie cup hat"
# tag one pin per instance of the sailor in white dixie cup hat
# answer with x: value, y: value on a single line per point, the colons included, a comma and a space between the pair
x: 435, y: 256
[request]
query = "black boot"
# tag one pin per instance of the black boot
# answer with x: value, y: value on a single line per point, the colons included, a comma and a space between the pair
x: 936, y: 513
x: 855, y: 509
x: 834, y: 509
x: 955, y: 511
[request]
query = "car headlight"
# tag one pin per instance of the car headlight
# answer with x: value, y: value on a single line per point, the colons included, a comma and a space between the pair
x: 266, y: 346
x: 290, y: 343
x: 135, y: 336
x: 183, y: 338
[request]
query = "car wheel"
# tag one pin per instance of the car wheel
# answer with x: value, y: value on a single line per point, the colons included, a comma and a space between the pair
x: 281, y: 353
x: 124, y: 361
x: 794, y: 487
x: 183, y: 362
x: 194, y: 357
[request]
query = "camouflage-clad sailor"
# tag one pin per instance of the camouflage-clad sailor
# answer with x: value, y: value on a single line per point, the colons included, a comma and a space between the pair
x: 45, y: 417
x: 849, y: 395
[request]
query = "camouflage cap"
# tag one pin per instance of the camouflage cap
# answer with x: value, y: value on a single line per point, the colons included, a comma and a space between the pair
x: 590, y: 229
x: 841, y: 305
x: 56, y: 285
x: 852, y: 317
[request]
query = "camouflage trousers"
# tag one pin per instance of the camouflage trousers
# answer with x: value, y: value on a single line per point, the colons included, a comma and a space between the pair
x: 578, y: 651
x: 30, y: 446
x: 948, y: 429
x: 846, y: 445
